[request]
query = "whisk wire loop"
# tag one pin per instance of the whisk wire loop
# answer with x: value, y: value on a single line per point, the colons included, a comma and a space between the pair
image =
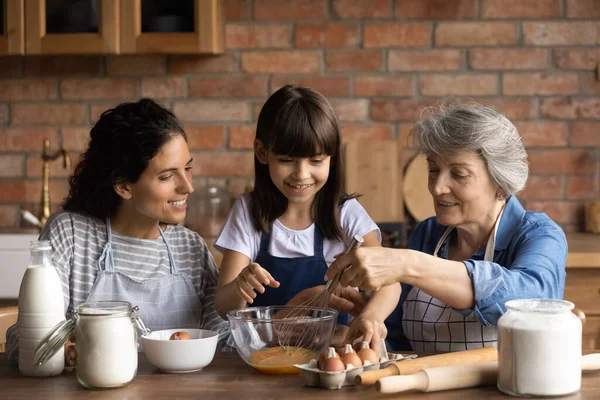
x: 297, y: 332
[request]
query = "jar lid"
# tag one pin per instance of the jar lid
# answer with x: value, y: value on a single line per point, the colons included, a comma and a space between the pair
x: 39, y: 245
x: 545, y: 306
x: 110, y: 308
x: 53, y: 341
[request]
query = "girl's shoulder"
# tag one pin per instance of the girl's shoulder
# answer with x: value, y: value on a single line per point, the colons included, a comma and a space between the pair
x: 351, y: 208
x: 243, y: 201
x: 355, y: 220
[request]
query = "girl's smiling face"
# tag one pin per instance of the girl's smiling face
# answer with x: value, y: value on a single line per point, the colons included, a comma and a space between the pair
x: 463, y: 193
x: 299, y: 179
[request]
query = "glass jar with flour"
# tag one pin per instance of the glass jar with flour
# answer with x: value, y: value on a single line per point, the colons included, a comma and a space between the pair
x: 106, y: 343
x: 539, y: 348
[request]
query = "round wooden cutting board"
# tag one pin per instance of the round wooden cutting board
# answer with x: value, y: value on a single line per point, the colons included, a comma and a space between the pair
x: 417, y: 198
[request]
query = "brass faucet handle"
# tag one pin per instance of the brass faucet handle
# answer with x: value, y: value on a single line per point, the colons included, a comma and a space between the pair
x: 46, y: 149
x: 66, y: 159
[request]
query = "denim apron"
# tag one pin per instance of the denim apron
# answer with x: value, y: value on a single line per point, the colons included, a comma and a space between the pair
x: 294, y: 274
x: 167, y: 302
x: 431, y: 325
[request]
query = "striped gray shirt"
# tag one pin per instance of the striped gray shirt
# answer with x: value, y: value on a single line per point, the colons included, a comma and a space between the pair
x: 77, y: 243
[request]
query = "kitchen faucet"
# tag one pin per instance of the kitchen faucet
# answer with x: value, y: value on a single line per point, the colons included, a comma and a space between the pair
x: 44, y: 213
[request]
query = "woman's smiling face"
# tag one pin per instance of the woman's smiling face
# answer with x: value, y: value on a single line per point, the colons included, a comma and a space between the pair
x: 163, y: 188
x: 462, y: 190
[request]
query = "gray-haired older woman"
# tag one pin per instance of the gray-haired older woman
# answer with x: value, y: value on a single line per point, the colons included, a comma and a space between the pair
x: 480, y: 250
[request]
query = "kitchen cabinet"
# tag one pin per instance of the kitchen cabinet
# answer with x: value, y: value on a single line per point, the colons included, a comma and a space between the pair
x: 118, y: 26
x: 12, y: 34
x: 582, y: 286
x: 185, y: 26
x: 71, y: 27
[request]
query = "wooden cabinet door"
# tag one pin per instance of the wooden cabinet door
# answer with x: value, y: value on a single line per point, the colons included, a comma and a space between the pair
x: 48, y: 30
x: 12, y: 34
x: 205, y: 36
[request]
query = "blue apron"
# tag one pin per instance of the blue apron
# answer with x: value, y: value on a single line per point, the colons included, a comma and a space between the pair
x: 294, y: 274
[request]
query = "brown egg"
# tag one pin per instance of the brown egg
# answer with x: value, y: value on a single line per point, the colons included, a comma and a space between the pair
x: 180, y: 336
x: 324, y: 355
x: 333, y: 364
x: 350, y: 357
x: 367, y: 354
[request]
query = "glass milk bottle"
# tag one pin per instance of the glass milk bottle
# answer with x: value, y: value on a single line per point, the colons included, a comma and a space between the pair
x: 41, y: 307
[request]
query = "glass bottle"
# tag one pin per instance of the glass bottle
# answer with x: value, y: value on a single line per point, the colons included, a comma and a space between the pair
x: 41, y: 307
x: 209, y: 212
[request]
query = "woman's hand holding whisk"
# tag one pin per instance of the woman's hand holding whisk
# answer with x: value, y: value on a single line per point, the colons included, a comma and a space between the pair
x: 252, y: 279
x: 370, y: 268
x: 345, y: 300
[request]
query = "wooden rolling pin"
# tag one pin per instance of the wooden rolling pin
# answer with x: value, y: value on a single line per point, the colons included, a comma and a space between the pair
x: 458, y: 377
x: 408, y: 367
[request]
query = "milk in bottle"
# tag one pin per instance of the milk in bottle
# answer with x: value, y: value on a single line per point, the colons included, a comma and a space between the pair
x: 41, y: 307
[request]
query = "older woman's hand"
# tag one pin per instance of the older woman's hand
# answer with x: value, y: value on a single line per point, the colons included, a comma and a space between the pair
x: 346, y: 299
x: 371, y: 268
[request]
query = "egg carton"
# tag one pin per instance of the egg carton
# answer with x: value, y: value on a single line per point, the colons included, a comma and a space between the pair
x: 315, y: 377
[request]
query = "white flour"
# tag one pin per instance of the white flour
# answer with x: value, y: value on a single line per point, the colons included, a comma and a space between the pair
x: 106, y: 351
x: 539, y: 348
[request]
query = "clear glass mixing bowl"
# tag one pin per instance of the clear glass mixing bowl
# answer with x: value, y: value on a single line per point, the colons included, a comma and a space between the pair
x: 272, y: 339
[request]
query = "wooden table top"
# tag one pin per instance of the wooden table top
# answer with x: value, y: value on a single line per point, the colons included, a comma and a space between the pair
x: 227, y: 377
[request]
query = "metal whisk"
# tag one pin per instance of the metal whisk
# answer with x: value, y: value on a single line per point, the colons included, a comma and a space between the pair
x: 298, y: 331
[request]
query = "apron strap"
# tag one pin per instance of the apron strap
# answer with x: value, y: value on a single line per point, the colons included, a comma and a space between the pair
x: 442, y: 240
x: 174, y: 269
x: 490, y: 246
x: 106, y: 262
x: 265, y: 239
x: 318, y: 242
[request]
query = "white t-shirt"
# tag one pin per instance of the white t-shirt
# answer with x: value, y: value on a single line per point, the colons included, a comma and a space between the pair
x: 238, y: 233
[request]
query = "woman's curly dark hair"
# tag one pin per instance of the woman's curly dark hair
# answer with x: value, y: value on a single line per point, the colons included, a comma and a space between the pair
x: 122, y: 143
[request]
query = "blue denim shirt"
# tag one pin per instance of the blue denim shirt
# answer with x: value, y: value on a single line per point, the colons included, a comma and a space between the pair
x: 529, y: 262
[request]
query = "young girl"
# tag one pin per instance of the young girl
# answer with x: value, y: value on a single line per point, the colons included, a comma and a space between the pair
x: 280, y: 238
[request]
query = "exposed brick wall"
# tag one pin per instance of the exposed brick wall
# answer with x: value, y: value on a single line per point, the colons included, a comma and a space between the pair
x: 378, y: 61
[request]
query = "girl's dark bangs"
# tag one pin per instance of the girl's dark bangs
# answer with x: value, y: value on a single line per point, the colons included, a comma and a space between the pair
x: 297, y: 137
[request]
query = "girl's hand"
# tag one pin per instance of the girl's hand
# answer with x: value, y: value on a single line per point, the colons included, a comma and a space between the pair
x: 368, y: 327
x: 251, y: 279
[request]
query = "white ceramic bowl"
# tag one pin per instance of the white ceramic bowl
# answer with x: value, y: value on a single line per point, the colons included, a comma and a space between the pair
x: 180, y: 356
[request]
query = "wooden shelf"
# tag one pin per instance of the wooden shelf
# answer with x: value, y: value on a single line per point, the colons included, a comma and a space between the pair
x: 584, y: 250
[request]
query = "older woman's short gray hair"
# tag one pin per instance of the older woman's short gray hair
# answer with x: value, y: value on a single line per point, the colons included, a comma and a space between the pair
x: 459, y: 127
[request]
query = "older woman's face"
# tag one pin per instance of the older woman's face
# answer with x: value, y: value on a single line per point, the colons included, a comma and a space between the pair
x: 462, y: 191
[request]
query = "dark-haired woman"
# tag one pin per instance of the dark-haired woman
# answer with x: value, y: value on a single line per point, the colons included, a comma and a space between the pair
x: 280, y: 239
x: 118, y: 238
